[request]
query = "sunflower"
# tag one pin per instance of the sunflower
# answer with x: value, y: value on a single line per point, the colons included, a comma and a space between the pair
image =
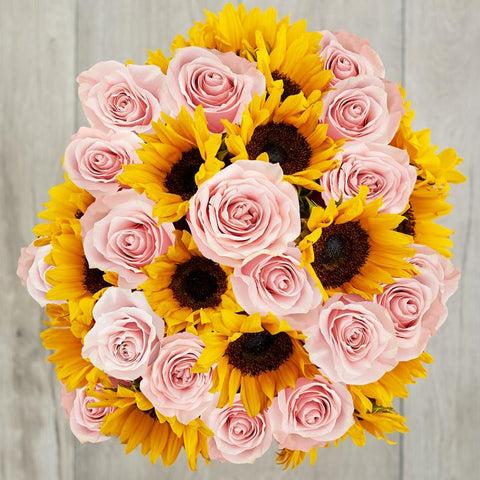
x: 285, y: 132
x: 378, y: 421
x: 177, y: 157
x: 393, y: 383
x: 71, y: 277
x: 236, y: 29
x: 136, y: 422
x: 434, y: 168
x: 374, y: 412
x: 66, y: 205
x: 283, y: 51
x: 71, y: 368
x: 351, y: 248
x: 427, y: 203
x: 295, y: 60
x: 436, y: 171
x: 294, y: 458
x: 185, y: 288
x: 258, y: 356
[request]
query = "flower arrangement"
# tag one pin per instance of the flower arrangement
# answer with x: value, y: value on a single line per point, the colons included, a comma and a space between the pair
x: 244, y: 248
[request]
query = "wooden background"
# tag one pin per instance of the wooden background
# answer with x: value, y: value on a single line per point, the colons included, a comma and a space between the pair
x: 430, y: 46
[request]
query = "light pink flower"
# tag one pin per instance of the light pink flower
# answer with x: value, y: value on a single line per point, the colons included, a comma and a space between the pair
x: 25, y: 261
x: 223, y: 83
x: 353, y: 340
x: 32, y: 269
x: 384, y: 169
x: 85, y: 421
x: 120, y: 235
x: 125, y: 336
x: 428, y: 260
x: 417, y: 305
x: 276, y: 283
x: 347, y: 55
x: 363, y: 108
x: 314, y: 412
x: 94, y: 158
x: 170, y: 384
x: 244, y: 209
x: 416, y: 310
x: 237, y: 437
x: 121, y: 98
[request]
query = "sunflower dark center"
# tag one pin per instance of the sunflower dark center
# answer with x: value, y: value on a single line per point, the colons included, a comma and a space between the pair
x: 340, y: 253
x: 181, y: 178
x: 289, y: 86
x: 199, y: 283
x: 257, y: 353
x: 93, y: 279
x: 284, y: 144
x: 408, y: 224
x: 182, y: 224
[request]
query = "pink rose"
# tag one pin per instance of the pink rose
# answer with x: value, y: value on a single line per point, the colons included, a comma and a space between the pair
x: 363, y: 108
x: 347, y: 55
x: 237, y: 437
x: 385, y: 170
x: 276, y: 283
x: 25, y: 261
x: 428, y: 260
x: 118, y: 97
x: 170, y: 384
x: 416, y: 310
x: 94, y: 158
x: 125, y: 336
x: 223, y: 83
x: 243, y: 209
x: 85, y: 421
x: 353, y: 340
x: 120, y: 235
x: 314, y: 412
x: 32, y: 269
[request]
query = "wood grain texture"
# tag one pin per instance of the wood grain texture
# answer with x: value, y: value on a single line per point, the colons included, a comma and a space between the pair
x: 441, y: 75
x: 36, y: 121
x: 44, y: 45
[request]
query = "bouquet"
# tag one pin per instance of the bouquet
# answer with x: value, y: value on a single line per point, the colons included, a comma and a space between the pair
x: 244, y: 250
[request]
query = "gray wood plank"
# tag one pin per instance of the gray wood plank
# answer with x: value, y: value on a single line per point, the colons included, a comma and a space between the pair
x: 37, y: 118
x: 115, y: 30
x: 442, y: 67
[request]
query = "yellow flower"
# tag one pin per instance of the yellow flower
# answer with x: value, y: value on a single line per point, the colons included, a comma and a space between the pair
x: 434, y: 168
x: 81, y: 317
x: 236, y: 29
x: 185, y: 288
x: 351, y: 248
x: 295, y: 60
x: 71, y: 278
x: 66, y: 205
x: 380, y: 423
x: 178, y: 157
x: 427, y: 203
x: 293, y: 458
x: 392, y: 384
x: 256, y: 356
x: 71, y: 368
x: 374, y: 412
x: 136, y: 422
x: 283, y: 50
x: 287, y: 133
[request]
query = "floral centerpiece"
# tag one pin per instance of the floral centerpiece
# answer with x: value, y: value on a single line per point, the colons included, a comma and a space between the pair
x: 244, y: 250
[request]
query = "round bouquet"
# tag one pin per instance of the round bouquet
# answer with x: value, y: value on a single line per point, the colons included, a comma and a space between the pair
x: 244, y: 249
